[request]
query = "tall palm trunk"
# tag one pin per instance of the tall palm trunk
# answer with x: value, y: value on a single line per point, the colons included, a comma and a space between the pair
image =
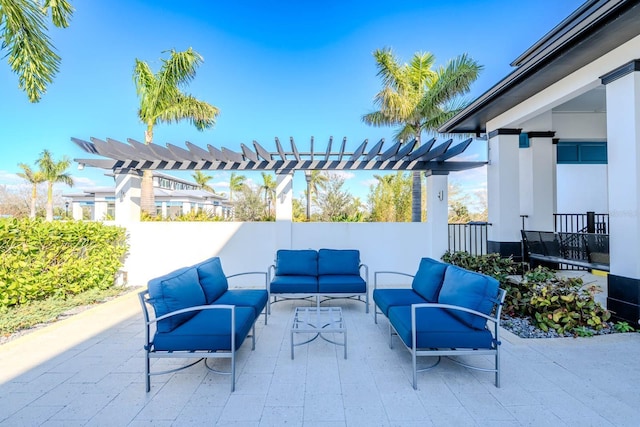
x: 147, y: 198
x: 34, y: 196
x: 49, y: 216
x: 416, y: 185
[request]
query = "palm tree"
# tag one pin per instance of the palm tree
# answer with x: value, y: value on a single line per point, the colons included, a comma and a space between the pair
x: 31, y: 55
x: 236, y: 183
x: 34, y: 178
x: 416, y: 98
x: 269, y: 188
x: 162, y: 101
x: 201, y: 179
x: 53, y: 172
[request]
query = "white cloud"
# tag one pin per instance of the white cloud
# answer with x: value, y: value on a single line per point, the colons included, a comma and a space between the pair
x: 344, y: 174
x: 369, y: 182
x: 10, y: 178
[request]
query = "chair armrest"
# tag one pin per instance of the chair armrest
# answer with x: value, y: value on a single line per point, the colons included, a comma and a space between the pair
x: 246, y: 273
x: 375, y: 276
x: 415, y: 307
x: 194, y: 308
x: 366, y: 274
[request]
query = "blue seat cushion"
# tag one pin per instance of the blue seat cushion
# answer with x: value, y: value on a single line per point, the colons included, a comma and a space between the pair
x: 207, y: 330
x: 255, y: 298
x: 294, y: 284
x: 175, y: 291
x: 428, y: 279
x: 387, y: 298
x: 212, y: 278
x: 471, y: 290
x: 437, y: 328
x: 342, y: 284
x: 291, y: 262
x: 339, y: 262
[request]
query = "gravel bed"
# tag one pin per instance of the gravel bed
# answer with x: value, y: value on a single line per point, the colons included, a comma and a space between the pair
x: 523, y: 328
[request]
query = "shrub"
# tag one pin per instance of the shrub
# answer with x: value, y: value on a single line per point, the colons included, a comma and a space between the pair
x: 57, y: 259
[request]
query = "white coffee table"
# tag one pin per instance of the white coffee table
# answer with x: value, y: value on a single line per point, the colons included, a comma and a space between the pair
x: 318, y: 321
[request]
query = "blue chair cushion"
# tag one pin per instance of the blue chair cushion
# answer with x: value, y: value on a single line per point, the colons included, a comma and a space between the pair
x: 341, y: 284
x: 175, y: 291
x: 387, y: 298
x: 428, y: 279
x: 212, y: 279
x: 207, y: 330
x: 303, y: 262
x: 437, y: 328
x: 471, y: 290
x: 254, y: 298
x: 339, y: 262
x: 294, y: 284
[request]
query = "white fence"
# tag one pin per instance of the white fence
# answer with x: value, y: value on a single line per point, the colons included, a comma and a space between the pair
x: 157, y: 248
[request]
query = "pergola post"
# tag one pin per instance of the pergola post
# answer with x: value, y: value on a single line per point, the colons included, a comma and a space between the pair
x: 128, y: 191
x: 438, y: 212
x: 284, y: 208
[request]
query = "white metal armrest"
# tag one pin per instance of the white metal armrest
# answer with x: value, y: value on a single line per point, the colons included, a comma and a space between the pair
x: 414, y: 307
x: 247, y: 273
x: 375, y: 276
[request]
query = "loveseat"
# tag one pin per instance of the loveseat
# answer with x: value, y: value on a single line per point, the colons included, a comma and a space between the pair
x: 195, y: 315
x: 330, y: 273
x: 448, y: 311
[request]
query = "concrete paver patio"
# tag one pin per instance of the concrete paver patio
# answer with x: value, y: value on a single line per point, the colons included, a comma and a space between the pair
x: 88, y: 370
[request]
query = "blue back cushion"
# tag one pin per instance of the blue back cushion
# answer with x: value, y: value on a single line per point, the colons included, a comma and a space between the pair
x: 339, y: 262
x: 428, y: 279
x: 471, y: 290
x: 303, y: 262
x: 212, y: 279
x: 174, y: 291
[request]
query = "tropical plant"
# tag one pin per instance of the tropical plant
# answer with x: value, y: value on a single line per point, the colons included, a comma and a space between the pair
x: 34, y: 178
x: 416, y: 98
x: 390, y: 198
x: 23, y: 30
x: 249, y: 205
x: 334, y: 202
x: 268, y: 187
x: 236, y: 184
x: 201, y: 180
x: 162, y: 101
x: 52, y: 172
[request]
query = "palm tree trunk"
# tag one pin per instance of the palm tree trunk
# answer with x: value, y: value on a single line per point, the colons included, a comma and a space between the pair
x: 49, y: 201
x: 416, y: 197
x: 34, y: 195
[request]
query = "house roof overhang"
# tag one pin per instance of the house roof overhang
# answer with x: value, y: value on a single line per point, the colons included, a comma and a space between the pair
x: 594, y: 29
x: 410, y: 156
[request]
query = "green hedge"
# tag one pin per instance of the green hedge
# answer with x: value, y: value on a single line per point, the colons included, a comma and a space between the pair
x: 57, y: 259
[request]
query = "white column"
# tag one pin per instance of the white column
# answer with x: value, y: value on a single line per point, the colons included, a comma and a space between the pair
x: 99, y: 210
x: 623, y: 153
x: 503, y: 192
x: 186, y: 207
x: 164, y: 209
x: 284, y: 209
x: 538, y: 181
x: 76, y: 211
x: 438, y: 213
x: 128, y: 191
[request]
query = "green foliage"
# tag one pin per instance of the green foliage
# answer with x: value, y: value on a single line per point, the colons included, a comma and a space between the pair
x: 582, y: 331
x: 390, y: 198
x: 623, y: 327
x: 563, y: 304
x: 57, y: 259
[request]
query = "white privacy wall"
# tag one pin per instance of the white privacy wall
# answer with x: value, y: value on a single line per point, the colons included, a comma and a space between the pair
x: 582, y: 188
x: 157, y: 248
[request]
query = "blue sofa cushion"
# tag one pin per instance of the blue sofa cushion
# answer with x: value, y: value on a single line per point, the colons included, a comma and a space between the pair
x: 339, y: 262
x: 212, y: 279
x: 303, y: 262
x: 341, y: 284
x: 175, y: 291
x: 428, y: 279
x: 437, y: 328
x: 471, y: 290
x: 387, y: 298
x: 294, y: 284
x: 254, y: 298
x: 207, y: 330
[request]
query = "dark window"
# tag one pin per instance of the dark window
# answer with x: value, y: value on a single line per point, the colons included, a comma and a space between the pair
x: 572, y: 152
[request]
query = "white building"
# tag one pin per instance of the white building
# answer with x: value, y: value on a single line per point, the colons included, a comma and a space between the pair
x: 174, y: 196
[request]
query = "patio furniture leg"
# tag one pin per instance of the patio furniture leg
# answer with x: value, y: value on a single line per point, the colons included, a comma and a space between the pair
x: 147, y: 372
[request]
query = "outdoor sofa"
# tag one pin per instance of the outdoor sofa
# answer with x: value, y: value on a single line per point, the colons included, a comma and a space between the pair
x: 330, y: 273
x: 195, y: 315
x: 448, y: 311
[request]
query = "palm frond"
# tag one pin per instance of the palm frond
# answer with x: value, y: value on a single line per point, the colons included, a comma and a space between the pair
x: 389, y: 69
x: 61, y: 12
x: 201, y: 114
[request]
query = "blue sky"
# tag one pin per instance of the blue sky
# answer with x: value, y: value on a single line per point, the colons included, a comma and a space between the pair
x: 287, y: 68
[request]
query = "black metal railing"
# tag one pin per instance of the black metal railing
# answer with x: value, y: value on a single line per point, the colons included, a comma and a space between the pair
x: 589, y: 222
x: 469, y: 237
